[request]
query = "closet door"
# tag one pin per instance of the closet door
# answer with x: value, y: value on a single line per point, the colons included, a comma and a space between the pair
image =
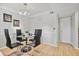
x: 65, y: 29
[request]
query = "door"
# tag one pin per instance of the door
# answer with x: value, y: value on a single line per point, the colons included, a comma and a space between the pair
x: 65, y: 29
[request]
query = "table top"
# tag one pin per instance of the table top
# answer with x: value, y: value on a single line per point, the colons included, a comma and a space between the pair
x: 29, y: 37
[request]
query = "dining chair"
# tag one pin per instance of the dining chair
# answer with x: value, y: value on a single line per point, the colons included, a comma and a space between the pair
x: 19, y: 33
x: 37, y: 35
x: 8, y: 40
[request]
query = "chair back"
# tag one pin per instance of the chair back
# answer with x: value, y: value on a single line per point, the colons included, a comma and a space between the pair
x: 18, y: 33
x: 38, y: 32
x: 37, y: 37
x: 8, y: 40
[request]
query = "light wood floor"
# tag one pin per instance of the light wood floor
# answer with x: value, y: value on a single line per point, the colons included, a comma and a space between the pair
x: 67, y: 49
x: 63, y: 49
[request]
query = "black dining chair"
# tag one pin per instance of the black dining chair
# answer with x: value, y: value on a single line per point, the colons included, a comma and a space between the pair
x: 36, y: 41
x: 8, y: 40
x: 19, y: 33
x: 37, y: 36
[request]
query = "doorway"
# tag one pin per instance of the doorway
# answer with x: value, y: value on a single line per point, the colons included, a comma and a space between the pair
x: 65, y: 29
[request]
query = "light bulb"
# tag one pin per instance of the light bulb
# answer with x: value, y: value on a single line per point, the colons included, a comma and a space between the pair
x: 20, y: 13
x: 25, y: 12
x: 28, y: 14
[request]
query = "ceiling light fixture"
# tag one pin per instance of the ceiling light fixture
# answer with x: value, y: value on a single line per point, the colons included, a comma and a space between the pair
x: 24, y: 11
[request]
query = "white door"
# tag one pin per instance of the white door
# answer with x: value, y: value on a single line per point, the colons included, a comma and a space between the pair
x: 65, y: 29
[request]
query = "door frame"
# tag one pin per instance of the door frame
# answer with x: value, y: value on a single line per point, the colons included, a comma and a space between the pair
x: 59, y: 34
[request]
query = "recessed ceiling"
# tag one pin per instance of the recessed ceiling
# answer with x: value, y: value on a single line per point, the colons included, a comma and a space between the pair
x: 36, y: 8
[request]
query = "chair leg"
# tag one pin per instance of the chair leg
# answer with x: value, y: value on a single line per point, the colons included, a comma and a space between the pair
x: 17, y: 48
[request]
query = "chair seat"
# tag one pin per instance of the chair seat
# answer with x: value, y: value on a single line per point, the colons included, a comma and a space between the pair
x: 15, y: 45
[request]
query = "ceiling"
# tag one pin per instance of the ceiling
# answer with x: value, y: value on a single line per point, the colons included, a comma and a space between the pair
x: 36, y: 8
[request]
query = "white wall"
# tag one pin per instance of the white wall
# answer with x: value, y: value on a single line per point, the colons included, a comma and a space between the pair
x: 75, y: 19
x: 47, y: 22
x: 9, y: 25
x: 76, y: 29
x: 73, y: 29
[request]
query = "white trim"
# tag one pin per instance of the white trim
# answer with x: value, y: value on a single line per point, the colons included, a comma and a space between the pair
x: 53, y: 44
x: 3, y: 47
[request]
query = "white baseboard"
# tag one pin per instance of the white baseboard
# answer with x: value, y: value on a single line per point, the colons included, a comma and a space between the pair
x: 53, y: 44
x: 3, y: 47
